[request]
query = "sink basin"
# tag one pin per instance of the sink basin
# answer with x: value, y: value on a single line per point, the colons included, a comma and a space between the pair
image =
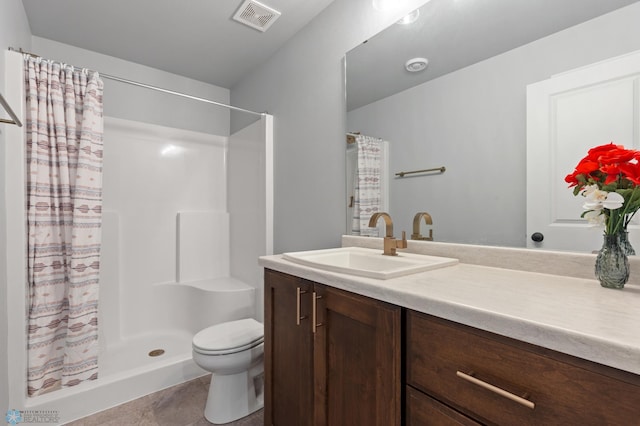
x: 366, y: 262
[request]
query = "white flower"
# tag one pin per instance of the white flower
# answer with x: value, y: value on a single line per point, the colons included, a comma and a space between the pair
x: 592, y: 191
x: 592, y: 205
x: 597, y: 199
x: 595, y: 217
x: 613, y: 201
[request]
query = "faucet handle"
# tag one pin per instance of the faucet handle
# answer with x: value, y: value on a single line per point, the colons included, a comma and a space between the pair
x: 402, y: 243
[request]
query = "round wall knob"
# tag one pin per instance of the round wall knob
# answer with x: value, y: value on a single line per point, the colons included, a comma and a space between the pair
x: 537, y: 237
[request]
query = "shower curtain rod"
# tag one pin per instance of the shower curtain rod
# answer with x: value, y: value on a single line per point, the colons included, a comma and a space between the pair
x: 148, y: 86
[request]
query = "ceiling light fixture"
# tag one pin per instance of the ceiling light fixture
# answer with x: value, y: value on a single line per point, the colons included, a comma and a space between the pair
x: 416, y: 64
x: 410, y: 18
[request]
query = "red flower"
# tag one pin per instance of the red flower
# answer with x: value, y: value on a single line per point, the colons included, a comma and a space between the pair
x: 606, y: 164
x: 631, y: 171
x: 596, y: 152
x: 586, y: 167
x: 612, y: 169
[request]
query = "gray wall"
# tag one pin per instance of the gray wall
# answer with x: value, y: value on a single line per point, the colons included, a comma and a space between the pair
x: 141, y: 104
x: 302, y: 85
x: 473, y: 122
x: 14, y: 32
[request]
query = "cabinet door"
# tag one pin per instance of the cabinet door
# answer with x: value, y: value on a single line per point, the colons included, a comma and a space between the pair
x: 357, y: 354
x: 288, y: 351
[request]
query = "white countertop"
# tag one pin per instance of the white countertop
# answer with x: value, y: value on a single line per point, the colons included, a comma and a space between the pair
x: 575, y: 316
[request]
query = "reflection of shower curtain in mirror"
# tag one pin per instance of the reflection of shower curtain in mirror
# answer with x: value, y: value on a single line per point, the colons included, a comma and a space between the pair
x: 64, y: 127
x: 367, y: 191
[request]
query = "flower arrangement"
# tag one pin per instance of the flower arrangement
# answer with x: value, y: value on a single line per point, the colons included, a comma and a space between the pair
x: 609, y: 178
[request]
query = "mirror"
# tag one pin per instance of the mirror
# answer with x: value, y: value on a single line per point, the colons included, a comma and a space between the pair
x: 467, y: 110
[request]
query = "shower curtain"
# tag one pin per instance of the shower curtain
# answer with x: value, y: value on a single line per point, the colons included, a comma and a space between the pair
x: 367, y: 192
x: 64, y: 127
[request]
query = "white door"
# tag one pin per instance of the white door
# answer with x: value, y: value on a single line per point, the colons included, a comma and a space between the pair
x: 566, y: 116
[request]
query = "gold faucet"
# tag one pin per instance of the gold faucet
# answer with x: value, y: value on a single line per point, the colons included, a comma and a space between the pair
x: 416, y: 226
x: 390, y: 243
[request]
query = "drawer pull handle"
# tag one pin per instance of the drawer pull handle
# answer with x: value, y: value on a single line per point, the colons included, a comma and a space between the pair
x: 495, y: 389
x: 314, y: 315
x: 298, y: 293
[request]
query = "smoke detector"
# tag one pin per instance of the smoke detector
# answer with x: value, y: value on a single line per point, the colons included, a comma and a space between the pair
x: 416, y: 64
x: 256, y: 15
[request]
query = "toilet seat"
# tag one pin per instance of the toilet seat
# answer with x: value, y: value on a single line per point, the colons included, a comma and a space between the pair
x: 227, y: 351
x: 229, y: 337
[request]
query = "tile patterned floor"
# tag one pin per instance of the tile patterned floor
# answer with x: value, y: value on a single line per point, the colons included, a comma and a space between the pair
x: 181, y: 405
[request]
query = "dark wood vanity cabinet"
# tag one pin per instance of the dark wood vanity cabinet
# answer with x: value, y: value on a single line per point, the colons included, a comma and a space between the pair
x: 331, y: 357
x: 335, y: 358
x: 464, y: 375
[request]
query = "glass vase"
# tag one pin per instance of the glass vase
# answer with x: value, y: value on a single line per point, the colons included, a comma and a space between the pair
x: 626, y: 245
x: 612, y: 265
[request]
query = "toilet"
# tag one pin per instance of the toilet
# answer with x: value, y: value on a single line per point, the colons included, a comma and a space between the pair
x: 233, y: 353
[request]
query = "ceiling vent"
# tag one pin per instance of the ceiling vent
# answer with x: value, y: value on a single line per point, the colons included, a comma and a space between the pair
x: 256, y: 15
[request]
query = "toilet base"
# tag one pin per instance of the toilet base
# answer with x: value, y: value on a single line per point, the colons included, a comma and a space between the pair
x: 234, y: 396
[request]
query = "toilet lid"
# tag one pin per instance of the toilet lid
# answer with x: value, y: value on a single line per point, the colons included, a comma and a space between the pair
x: 229, y: 335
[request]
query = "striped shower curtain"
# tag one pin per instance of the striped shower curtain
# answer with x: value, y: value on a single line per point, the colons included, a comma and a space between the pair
x: 64, y: 127
x: 367, y: 192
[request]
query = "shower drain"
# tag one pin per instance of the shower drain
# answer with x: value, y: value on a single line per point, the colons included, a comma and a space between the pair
x: 156, y: 352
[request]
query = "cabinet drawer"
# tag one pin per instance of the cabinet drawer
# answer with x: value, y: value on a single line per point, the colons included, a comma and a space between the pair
x: 423, y: 410
x: 497, y: 380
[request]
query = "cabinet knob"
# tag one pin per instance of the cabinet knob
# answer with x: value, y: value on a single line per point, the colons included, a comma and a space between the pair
x: 537, y: 237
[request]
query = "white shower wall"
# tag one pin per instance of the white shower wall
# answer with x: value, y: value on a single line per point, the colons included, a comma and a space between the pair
x: 250, y: 203
x: 151, y: 173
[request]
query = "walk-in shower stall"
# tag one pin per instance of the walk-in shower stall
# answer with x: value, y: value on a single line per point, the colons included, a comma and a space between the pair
x: 185, y: 217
